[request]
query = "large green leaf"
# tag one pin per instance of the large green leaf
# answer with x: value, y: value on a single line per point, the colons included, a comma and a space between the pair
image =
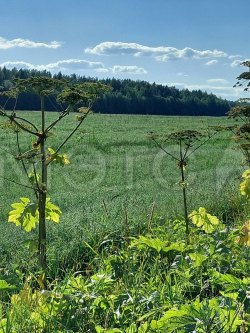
x: 25, y: 214
x: 204, y: 220
x: 52, y: 212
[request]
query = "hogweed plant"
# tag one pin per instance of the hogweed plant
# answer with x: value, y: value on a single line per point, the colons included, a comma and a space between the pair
x: 241, y: 113
x: 30, y: 213
x: 187, y: 141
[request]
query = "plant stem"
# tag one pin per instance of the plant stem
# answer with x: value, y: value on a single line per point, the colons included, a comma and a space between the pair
x: 42, y: 197
x: 184, y: 201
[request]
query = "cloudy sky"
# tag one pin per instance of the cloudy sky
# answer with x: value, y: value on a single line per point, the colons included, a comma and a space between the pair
x: 194, y: 44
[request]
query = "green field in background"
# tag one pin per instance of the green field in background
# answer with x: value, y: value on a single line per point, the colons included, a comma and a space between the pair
x: 116, y: 174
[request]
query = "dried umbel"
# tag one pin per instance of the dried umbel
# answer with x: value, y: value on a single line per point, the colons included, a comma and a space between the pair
x: 186, y: 136
x: 240, y: 112
x: 244, y: 77
x: 187, y: 141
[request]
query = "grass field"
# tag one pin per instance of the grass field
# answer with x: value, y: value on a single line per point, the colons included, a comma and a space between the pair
x: 115, y: 176
x: 121, y: 261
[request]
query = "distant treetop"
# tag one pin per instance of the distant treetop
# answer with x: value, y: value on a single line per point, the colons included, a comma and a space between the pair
x: 124, y: 97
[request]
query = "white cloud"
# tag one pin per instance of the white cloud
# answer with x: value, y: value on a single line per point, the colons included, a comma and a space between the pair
x: 26, y: 43
x: 70, y: 64
x: 217, y: 81
x: 161, y: 53
x: 182, y: 74
x: 223, y: 91
x: 234, y: 56
x: 17, y: 64
x: 211, y: 62
x: 102, y: 70
x: 117, y: 69
x: 74, y: 64
x: 236, y: 63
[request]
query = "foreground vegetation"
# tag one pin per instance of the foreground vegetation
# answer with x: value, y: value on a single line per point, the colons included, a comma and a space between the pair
x: 157, y: 274
x: 149, y: 283
x: 118, y: 261
x: 116, y: 178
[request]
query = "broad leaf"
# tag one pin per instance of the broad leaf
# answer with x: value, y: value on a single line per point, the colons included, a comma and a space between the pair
x: 52, y: 212
x: 245, y: 237
x: 204, y: 220
x: 25, y: 214
x: 4, y: 285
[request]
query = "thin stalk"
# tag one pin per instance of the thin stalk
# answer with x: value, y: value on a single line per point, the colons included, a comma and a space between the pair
x: 151, y: 216
x: 36, y: 179
x: 70, y: 135
x: 12, y: 119
x: 165, y: 151
x: 20, y: 153
x: 205, y: 141
x: 27, y: 121
x: 17, y: 183
x: 61, y: 116
x: 23, y: 164
x: 22, y: 127
x: 184, y: 193
x: 42, y: 196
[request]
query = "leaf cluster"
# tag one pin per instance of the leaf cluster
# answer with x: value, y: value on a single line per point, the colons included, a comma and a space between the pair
x: 26, y: 215
x: 204, y: 220
x: 84, y: 93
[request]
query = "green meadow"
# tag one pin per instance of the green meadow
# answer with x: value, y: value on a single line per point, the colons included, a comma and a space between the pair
x: 120, y: 260
x: 117, y: 176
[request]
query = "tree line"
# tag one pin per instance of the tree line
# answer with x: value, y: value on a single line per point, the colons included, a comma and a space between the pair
x: 126, y: 97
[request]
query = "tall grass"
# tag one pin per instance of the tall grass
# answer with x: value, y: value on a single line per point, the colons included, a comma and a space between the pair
x: 116, y: 175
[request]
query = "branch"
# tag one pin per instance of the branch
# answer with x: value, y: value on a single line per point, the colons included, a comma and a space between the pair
x: 12, y: 119
x: 61, y: 116
x: 165, y: 151
x: 201, y: 144
x: 36, y: 179
x: 14, y: 182
x: 20, y: 153
x: 28, y: 122
x: 186, y: 151
x: 72, y: 133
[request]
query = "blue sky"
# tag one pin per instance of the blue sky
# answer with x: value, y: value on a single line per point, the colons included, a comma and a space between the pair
x: 194, y: 44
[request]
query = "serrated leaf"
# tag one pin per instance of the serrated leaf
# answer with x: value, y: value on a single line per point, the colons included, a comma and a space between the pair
x: 198, y: 259
x: 204, y: 220
x: 52, y: 211
x: 25, y: 214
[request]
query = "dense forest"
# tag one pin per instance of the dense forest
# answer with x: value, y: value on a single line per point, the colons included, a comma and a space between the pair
x: 126, y: 97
